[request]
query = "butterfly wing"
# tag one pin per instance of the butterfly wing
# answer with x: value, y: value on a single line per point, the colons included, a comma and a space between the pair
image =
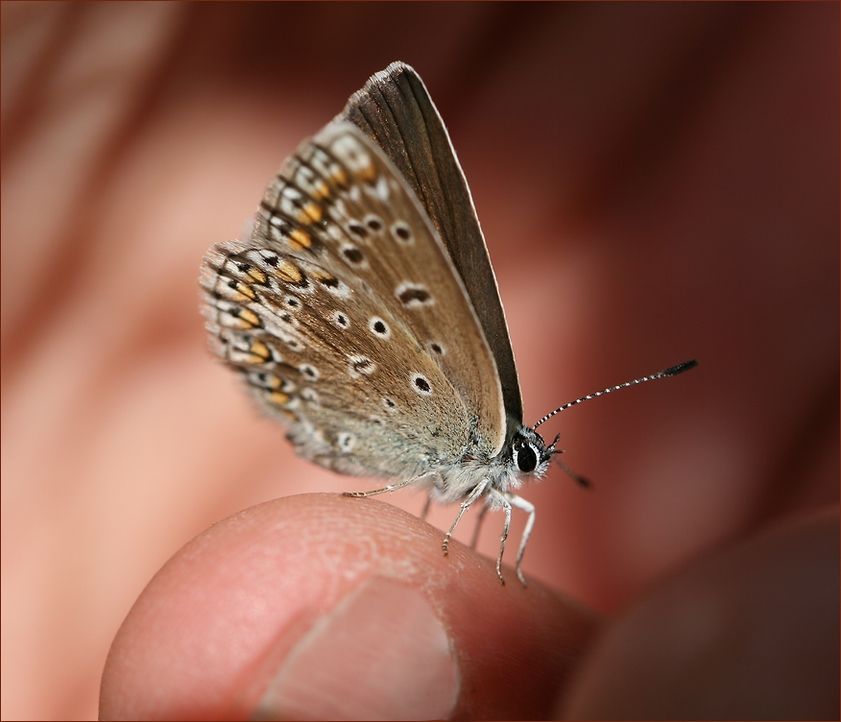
x: 345, y: 315
x: 395, y: 110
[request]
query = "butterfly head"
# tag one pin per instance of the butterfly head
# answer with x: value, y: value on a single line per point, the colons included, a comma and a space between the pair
x: 529, y: 452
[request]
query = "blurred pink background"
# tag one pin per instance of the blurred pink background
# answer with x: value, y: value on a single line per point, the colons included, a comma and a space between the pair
x: 656, y: 182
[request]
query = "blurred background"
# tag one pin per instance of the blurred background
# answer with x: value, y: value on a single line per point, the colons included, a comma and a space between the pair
x: 656, y: 182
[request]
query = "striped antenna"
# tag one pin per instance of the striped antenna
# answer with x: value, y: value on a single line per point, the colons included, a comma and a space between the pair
x: 673, y: 371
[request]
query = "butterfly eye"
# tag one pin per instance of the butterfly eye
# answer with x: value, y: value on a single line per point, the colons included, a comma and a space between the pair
x: 525, y: 457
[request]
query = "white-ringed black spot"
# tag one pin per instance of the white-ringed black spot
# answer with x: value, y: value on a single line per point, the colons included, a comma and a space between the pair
x: 340, y: 319
x: 412, y: 295
x: 421, y: 385
x: 353, y: 255
x: 271, y: 260
x: 402, y: 232
x: 310, y: 396
x: 374, y: 223
x: 357, y: 229
x: 292, y: 302
x: 345, y: 441
x: 436, y: 348
x: 361, y: 365
x: 378, y: 327
x: 311, y: 372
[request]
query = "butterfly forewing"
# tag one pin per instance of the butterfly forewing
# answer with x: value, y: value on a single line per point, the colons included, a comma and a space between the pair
x: 395, y: 110
x: 333, y: 312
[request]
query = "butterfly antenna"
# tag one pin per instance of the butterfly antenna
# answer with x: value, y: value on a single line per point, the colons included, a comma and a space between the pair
x: 673, y: 371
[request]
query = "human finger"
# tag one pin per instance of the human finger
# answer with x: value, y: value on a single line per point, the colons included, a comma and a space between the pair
x: 320, y: 606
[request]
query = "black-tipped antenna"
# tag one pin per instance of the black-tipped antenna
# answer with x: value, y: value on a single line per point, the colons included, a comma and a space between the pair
x: 673, y: 371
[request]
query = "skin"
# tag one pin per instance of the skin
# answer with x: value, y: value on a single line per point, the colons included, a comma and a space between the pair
x: 656, y: 183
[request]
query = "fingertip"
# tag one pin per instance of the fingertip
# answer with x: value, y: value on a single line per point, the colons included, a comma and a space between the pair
x: 274, y: 608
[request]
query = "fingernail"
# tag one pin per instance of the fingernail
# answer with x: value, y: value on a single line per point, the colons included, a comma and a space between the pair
x: 382, y: 653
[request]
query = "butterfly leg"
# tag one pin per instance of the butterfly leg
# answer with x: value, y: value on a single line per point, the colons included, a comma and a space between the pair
x: 502, y: 500
x: 390, y: 487
x: 478, y: 526
x: 478, y: 490
x: 527, y: 507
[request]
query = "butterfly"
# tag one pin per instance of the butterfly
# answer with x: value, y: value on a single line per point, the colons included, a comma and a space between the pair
x: 363, y: 312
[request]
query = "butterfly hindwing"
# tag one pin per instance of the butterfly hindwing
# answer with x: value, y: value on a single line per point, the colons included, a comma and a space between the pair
x: 347, y: 318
